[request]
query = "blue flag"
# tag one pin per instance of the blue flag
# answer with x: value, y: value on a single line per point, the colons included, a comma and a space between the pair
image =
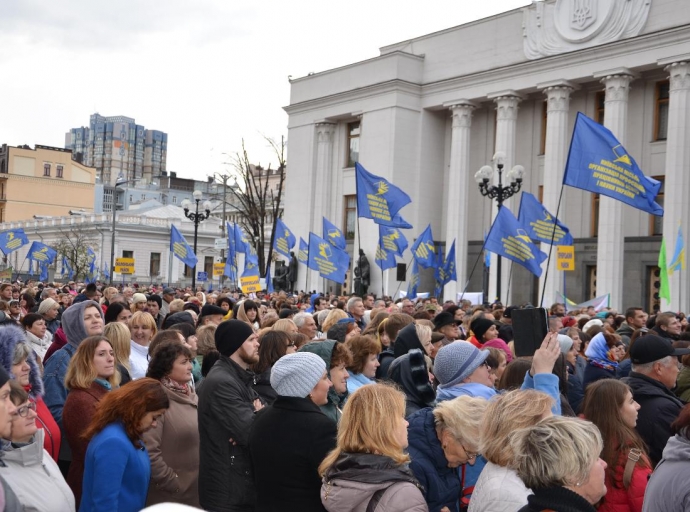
x: 303, y: 253
x: 44, y: 271
x: 423, y: 249
x: 399, y: 222
x: 269, y: 281
x: 678, y: 258
x: 384, y: 258
x: 106, y: 273
x: 284, y: 240
x: 181, y: 249
x: 540, y: 224
x: 391, y: 242
x: 230, y: 230
x: 333, y: 234
x: 597, y: 162
x: 414, y: 281
x: 12, y: 240
x: 251, y: 266
x: 241, y: 241
x: 67, y: 268
x: 446, y: 271
x: 42, y: 253
x: 507, y: 238
x: 331, y: 262
x: 377, y: 198
x: 91, y: 260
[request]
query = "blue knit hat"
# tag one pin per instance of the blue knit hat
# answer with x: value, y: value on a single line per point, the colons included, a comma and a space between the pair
x: 457, y: 361
x: 297, y: 374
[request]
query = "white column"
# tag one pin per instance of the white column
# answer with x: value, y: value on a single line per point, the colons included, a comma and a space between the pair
x: 459, y: 182
x: 506, y: 130
x: 611, y: 238
x: 322, y: 187
x: 677, y: 183
x: 555, y: 153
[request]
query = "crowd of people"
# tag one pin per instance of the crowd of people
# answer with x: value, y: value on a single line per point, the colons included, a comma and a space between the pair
x: 127, y: 398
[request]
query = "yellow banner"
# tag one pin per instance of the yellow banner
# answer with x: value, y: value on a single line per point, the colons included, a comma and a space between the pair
x: 250, y: 284
x: 218, y: 269
x: 565, y: 257
x: 124, y: 265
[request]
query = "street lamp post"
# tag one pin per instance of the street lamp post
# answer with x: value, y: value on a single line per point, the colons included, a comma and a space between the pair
x: 120, y: 181
x: 196, y: 218
x: 500, y: 193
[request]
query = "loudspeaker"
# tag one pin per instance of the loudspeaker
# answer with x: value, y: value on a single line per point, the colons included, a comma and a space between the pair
x: 401, y: 272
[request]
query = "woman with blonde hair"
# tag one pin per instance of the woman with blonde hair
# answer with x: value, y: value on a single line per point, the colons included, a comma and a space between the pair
x: 90, y: 376
x: 285, y: 325
x: 143, y: 328
x: 368, y: 469
x: 205, y: 341
x: 333, y: 316
x: 441, y: 440
x: 499, y: 489
x: 119, y: 337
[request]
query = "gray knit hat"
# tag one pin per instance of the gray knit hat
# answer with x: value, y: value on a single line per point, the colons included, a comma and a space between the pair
x: 457, y: 361
x: 46, y: 305
x: 566, y: 343
x: 297, y: 374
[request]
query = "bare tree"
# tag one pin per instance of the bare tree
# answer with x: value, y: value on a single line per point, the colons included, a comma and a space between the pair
x: 259, y: 197
x: 73, y: 244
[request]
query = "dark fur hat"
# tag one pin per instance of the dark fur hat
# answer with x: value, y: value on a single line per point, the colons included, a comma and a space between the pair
x: 411, y: 373
x: 10, y: 337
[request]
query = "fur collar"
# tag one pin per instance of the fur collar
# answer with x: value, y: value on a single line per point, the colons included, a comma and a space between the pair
x: 10, y: 336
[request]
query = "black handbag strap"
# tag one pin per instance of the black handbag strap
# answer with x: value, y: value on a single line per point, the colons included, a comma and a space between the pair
x: 374, y: 501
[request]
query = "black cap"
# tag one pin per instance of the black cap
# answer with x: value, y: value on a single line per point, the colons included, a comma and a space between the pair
x: 442, y: 319
x: 231, y: 335
x: 650, y: 348
x: 508, y: 312
x: 211, y: 309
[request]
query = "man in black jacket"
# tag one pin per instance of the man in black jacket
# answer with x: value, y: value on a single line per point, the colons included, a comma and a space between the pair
x: 654, y: 374
x: 227, y: 403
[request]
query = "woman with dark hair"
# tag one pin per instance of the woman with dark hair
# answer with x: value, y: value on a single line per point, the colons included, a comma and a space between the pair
x: 365, y: 351
x: 27, y: 303
x: 91, y: 374
x: 37, y: 334
x: 247, y: 311
x: 117, y: 469
x: 609, y: 404
x: 118, y: 312
x: 272, y: 346
x: 189, y: 332
x: 173, y: 443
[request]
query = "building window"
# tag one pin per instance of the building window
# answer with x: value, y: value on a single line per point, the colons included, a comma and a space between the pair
x: 594, y: 228
x: 653, y: 302
x: 656, y: 223
x: 661, y: 111
x: 601, y: 103
x: 188, y: 271
x: 591, y: 287
x: 3, y: 168
x: 353, y: 131
x: 143, y: 197
x: 544, y: 115
x: 58, y: 170
x: 208, y: 266
x: 154, y: 264
x: 46, y: 169
x: 174, y: 200
x: 540, y: 194
x: 128, y: 254
x: 350, y: 217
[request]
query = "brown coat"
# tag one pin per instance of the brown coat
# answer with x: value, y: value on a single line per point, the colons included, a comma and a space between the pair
x: 77, y: 413
x: 173, y: 447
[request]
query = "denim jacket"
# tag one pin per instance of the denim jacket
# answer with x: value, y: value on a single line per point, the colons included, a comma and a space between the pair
x: 54, y: 381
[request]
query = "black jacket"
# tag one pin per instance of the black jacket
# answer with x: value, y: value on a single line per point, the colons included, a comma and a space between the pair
x: 287, y: 442
x: 659, y: 407
x: 557, y: 499
x: 595, y: 373
x: 262, y: 385
x: 226, y: 411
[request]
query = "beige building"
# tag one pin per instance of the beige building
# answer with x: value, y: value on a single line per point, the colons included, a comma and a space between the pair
x: 43, y: 181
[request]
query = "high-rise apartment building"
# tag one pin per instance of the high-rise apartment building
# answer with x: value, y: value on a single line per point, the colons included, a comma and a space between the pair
x: 116, y: 145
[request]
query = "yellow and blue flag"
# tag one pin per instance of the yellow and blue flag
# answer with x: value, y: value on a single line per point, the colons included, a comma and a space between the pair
x: 42, y: 253
x: 284, y: 240
x: 181, y: 249
x: 230, y: 270
x: 597, y: 162
x: 251, y: 265
x: 509, y: 239
x: 44, y: 271
x: 303, y: 253
x: 378, y: 199
x: 391, y: 242
x: 423, y: 249
x: 447, y: 271
x: 678, y: 259
x: 12, y: 240
x: 540, y: 224
x: 333, y: 234
x: 331, y: 262
x: 413, y: 284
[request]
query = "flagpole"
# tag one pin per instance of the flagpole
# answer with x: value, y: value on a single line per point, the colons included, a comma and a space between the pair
x: 553, y: 236
x: 21, y: 267
x: 474, y: 267
x: 306, y: 277
x: 510, y: 281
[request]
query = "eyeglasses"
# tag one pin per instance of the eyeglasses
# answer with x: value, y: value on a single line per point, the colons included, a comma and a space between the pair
x: 470, y: 456
x: 291, y: 344
x: 23, y: 411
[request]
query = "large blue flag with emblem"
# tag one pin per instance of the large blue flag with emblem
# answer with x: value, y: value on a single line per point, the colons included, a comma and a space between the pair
x: 391, y: 242
x: 333, y: 234
x: 284, y: 240
x: 423, y: 249
x: 446, y: 270
x: 12, y: 240
x: 509, y: 239
x: 181, y: 249
x: 597, y: 162
x: 42, y: 253
x: 251, y: 266
x: 540, y: 224
x: 414, y: 281
x: 331, y: 262
x: 378, y: 199
x: 303, y: 253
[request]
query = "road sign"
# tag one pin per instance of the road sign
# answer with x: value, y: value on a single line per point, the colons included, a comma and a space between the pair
x: 220, y: 243
x: 565, y: 257
x: 250, y: 284
x: 218, y: 269
x: 202, y: 276
x: 124, y: 265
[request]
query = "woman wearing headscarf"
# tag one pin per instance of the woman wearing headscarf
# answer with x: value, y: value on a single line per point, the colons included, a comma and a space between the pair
x: 601, y: 358
x: 286, y: 466
x: 411, y: 374
x: 409, y: 337
x: 248, y: 311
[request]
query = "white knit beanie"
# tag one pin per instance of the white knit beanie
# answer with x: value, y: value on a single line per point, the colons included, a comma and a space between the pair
x: 297, y: 374
x: 46, y: 305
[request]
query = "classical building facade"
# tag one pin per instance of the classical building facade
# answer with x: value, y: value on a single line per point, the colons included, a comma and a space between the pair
x: 427, y: 113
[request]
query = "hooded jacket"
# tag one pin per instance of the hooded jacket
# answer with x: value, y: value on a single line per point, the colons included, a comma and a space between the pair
x: 659, y: 407
x: 351, y: 483
x: 35, y: 477
x: 59, y: 341
x: 324, y: 349
x: 410, y: 373
x: 406, y: 340
x: 668, y: 486
x: 10, y: 337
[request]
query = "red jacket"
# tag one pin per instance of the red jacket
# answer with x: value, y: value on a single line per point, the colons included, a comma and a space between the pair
x: 619, y: 499
x: 52, y: 436
x: 59, y: 341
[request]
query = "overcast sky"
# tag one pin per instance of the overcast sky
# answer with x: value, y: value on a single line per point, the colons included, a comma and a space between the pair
x: 207, y: 72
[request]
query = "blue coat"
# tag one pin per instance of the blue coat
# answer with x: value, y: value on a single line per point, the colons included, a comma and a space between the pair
x: 116, y: 473
x: 429, y: 465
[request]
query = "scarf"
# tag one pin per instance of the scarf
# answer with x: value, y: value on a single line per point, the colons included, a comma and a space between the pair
x: 104, y: 383
x: 182, y: 389
x: 599, y: 354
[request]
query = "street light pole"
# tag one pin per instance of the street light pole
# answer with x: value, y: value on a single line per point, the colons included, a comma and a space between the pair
x: 120, y: 181
x: 500, y: 193
x: 196, y: 218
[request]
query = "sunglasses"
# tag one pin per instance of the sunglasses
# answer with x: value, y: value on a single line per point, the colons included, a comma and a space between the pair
x: 23, y: 411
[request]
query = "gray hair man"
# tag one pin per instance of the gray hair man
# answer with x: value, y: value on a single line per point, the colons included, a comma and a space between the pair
x: 355, y: 308
x: 305, y: 324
